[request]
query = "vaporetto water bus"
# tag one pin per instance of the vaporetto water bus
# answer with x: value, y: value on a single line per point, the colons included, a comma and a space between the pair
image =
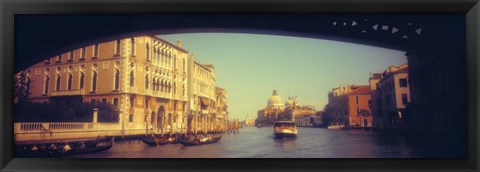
x: 284, y: 129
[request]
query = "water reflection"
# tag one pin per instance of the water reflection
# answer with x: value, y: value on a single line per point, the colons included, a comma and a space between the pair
x: 310, y: 143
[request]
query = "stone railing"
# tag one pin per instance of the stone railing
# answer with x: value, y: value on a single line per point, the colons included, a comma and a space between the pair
x: 42, y: 126
x: 68, y: 92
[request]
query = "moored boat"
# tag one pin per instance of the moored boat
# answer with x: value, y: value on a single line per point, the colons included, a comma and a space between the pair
x: 54, y: 151
x: 201, y: 141
x: 285, y: 129
x: 336, y: 127
x: 152, y: 141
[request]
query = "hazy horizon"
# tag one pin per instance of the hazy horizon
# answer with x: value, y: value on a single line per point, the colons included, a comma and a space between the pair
x: 250, y: 66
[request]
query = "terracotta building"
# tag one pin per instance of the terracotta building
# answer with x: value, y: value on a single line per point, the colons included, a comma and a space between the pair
x: 348, y: 106
x: 359, y: 114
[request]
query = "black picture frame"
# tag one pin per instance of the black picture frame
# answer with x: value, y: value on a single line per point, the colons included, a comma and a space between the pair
x: 471, y: 9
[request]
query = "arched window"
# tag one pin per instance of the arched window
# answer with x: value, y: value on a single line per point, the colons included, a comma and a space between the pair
x: 59, y: 79
x: 169, y: 118
x: 169, y: 88
x: 132, y: 79
x: 69, y: 84
x: 47, y: 81
x: 174, y: 88
x: 154, y: 84
x: 146, y: 82
x: 132, y: 47
x: 94, y: 81
x: 162, y: 86
x: 183, y: 65
x: 28, y: 85
x: 117, y: 79
x: 175, y: 62
x: 183, y: 90
x: 82, y: 80
x: 147, y: 52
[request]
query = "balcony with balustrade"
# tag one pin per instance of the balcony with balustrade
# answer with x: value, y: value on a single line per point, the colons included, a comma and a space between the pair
x: 68, y: 92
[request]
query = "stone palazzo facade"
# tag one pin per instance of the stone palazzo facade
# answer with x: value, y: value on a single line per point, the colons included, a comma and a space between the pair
x: 154, y: 84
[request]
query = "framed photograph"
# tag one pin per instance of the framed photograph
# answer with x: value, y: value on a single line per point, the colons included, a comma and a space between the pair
x: 197, y: 86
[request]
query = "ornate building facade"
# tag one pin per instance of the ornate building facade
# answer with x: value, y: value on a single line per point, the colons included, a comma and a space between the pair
x: 220, y: 119
x: 149, y: 80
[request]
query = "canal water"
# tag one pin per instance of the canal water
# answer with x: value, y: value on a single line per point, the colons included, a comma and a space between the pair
x: 254, y: 142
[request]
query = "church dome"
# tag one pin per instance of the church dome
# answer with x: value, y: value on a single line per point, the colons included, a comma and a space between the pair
x: 289, y: 103
x: 275, y: 100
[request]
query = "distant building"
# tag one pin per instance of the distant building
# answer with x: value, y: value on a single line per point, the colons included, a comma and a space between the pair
x: 337, y: 107
x: 359, y: 114
x: 348, y: 105
x: 393, y: 95
x: 269, y: 114
x: 203, y: 97
x: 249, y: 121
x: 375, y: 101
x: 318, y: 118
x: 277, y: 111
x: 221, y: 117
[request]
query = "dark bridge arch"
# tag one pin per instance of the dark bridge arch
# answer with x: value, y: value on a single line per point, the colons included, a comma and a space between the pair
x: 40, y: 37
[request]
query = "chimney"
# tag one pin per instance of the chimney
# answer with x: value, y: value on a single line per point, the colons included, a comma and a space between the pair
x: 179, y: 43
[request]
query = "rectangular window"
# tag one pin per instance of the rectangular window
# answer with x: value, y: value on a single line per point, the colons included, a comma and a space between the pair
x: 70, y: 56
x: 130, y: 118
x: 132, y: 102
x: 59, y: 58
x: 37, y: 71
x: 403, y: 82
x: 82, y: 56
x: 117, y: 47
x: 146, y: 103
x: 95, y: 51
x: 356, y: 100
x: 404, y: 99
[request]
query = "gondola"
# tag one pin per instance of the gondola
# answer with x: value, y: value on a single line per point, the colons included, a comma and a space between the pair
x: 59, y: 153
x: 173, y: 140
x: 198, y: 142
x: 150, y: 141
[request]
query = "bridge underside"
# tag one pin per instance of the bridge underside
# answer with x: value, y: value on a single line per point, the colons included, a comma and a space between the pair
x: 40, y: 36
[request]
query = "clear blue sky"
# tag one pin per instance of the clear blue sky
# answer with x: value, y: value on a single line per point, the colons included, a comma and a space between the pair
x: 250, y: 66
